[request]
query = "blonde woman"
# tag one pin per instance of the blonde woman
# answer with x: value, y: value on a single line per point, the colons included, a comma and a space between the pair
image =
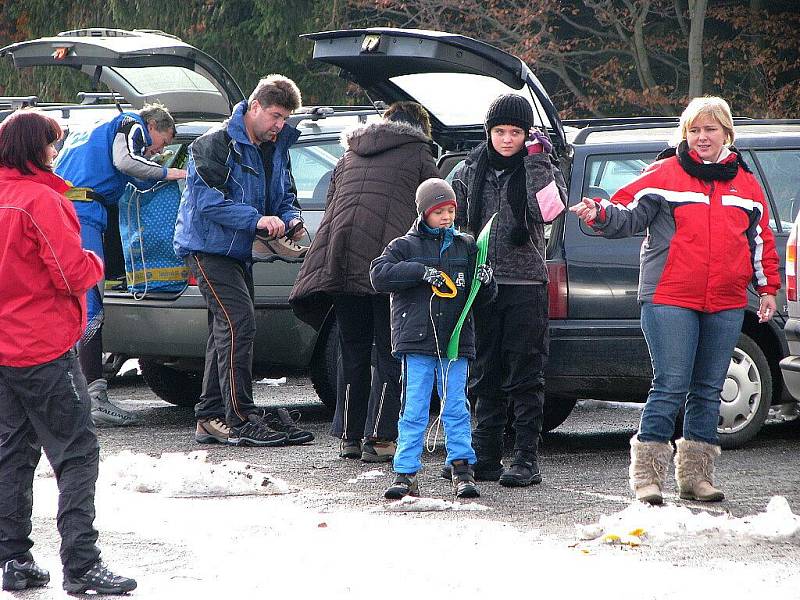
x: 708, y: 238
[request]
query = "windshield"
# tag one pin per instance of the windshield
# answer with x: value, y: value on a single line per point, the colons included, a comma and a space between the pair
x: 459, y: 98
x: 164, y: 79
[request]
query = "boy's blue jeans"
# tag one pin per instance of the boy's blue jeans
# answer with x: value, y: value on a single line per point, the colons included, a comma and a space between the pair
x: 691, y: 352
x: 419, y: 372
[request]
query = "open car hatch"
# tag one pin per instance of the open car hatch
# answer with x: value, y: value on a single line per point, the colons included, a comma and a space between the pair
x: 141, y: 66
x: 454, y: 77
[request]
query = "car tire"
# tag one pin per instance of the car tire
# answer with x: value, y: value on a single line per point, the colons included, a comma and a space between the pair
x: 746, y: 395
x: 556, y: 411
x: 181, y: 388
x: 324, y: 366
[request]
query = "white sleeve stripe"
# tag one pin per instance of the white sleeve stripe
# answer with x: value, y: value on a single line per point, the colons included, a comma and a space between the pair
x: 47, y: 241
x: 132, y: 149
x: 673, y: 196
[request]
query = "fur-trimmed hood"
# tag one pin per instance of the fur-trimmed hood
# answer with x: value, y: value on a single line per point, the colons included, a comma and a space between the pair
x: 366, y: 140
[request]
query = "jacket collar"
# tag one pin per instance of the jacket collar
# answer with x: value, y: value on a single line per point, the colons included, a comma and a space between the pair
x: 47, y: 178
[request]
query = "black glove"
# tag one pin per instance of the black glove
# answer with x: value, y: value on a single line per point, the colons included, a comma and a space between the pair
x: 484, y: 273
x: 433, y: 276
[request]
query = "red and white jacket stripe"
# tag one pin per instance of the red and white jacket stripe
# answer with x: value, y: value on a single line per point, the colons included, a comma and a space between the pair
x: 706, y: 240
x: 44, y: 272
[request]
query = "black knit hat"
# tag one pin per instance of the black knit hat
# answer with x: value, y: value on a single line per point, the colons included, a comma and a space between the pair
x: 510, y: 109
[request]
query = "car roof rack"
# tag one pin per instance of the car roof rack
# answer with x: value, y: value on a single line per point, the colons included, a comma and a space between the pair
x: 633, y: 123
x: 111, y: 32
x: 17, y: 102
x: 316, y: 113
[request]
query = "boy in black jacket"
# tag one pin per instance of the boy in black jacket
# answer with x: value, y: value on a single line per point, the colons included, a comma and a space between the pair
x: 422, y: 323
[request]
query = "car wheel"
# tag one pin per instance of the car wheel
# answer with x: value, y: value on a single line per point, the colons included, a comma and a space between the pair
x: 181, y: 388
x: 324, y: 366
x: 746, y: 394
x: 556, y: 411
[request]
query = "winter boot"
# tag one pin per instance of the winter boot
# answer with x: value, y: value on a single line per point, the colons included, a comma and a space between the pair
x: 104, y: 413
x: 694, y: 471
x: 350, y: 448
x: 405, y: 484
x: 463, y: 480
x: 523, y: 472
x: 23, y: 574
x: 488, y: 467
x: 648, y: 470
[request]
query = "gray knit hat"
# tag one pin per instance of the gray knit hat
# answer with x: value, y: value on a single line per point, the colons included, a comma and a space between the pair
x: 432, y: 194
x: 510, y: 109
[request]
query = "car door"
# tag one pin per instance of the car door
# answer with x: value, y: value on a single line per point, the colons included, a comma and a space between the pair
x: 454, y: 77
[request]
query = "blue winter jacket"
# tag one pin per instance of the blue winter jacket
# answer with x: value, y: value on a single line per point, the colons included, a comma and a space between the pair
x: 226, y: 192
x: 87, y: 160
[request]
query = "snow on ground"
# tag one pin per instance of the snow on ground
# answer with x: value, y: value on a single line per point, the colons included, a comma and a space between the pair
x: 676, y: 524
x: 275, y: 547
x: 409, y: 504
x: 368, y: 476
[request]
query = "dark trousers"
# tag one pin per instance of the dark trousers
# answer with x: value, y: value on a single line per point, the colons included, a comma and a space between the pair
x: 367, y: 401
x: 47, y: 406
x: 227, y: 287
x: 512, y: 347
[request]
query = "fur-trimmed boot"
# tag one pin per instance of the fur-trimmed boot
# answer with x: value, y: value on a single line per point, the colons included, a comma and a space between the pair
x: 648, y: 470
x: 694, y: 471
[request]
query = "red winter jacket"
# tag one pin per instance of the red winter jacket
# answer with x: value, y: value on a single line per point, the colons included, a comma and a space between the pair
x: 707, y: 240
x: 44, y: 273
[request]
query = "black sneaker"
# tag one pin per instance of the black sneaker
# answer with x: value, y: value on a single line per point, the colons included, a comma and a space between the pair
x: 521, y: 474
x: 23, y: 574
x: 99, y: 580
x: 350, y: 448
x: 256, y: 433
x: 283, y: 420
x: 463, y: 480
x: 405, y: 484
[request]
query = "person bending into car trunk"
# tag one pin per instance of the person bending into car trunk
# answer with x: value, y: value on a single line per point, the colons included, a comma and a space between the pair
x: 239, y: 181
x: 99, y: 164
x: 708, y: 238
x: 370, y: 202
x: 511, y: 174
x: 44, y: 401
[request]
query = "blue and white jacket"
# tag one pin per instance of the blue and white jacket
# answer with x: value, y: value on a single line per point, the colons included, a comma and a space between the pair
x: 227, y: 192
x: 88, y: 159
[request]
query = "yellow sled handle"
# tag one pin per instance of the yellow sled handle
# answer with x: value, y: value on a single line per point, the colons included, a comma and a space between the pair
x: 452, y: 291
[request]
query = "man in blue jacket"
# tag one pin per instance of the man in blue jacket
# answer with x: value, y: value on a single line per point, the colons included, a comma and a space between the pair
x: 100, y: 163
x: 239, y: 181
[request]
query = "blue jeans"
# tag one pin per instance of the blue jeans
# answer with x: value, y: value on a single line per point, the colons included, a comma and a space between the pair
x: 419, y: 372
x: 690, y: 352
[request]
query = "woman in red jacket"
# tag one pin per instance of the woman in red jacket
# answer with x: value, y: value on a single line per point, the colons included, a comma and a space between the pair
x: 44, y: 403
x: 708, y: 238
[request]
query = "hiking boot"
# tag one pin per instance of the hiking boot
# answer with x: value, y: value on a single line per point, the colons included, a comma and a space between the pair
x: 267, y: 248
x: 463, y: 480
x: 523, y: 472
x: 405, y: 484
x: 283, y: 420
x: 23, y: 574
x: 350, y: 448
x: 254, y: 432
x: 104, y: 413
x: 99, y: 580
x: 377, y: 451
x: 212, y: 430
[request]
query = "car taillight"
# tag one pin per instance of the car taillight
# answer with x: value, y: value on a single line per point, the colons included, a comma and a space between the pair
x: 557, y: 290
x: 191, y: 280
x: 791, y: 266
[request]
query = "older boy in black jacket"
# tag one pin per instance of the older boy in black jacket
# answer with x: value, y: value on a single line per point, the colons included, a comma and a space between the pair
x: 422, y: 323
